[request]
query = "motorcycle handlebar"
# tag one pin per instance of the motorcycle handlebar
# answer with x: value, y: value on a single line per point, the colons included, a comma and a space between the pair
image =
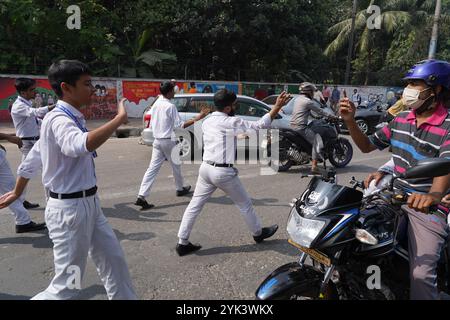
x: 395, y: 199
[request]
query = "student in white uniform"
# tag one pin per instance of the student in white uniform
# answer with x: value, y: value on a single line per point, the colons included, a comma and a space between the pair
x: 7, y: 180
x: 217, y: 170
x: 27, y: 119
x: 75, y: 221
x: 164, y: 119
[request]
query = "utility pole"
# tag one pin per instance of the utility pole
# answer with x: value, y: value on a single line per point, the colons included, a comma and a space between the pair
x: 350, y: 45
x: 435, y: 32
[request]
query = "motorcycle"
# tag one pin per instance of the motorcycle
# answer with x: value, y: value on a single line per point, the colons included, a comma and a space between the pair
x: 296, y: 150
x: 347, y: 237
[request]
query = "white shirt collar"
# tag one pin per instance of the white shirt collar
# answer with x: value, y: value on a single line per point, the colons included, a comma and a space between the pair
x: 164, y: 98
x: 28, y: 102
x: 71, y: 108
x: 219, y: 113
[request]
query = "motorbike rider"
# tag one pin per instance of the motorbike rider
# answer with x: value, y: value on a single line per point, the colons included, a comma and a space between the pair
x: 423, y: 132
x: 303, y: 106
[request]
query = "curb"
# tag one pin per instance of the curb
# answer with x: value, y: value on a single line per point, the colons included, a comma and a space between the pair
x: 127, y: 132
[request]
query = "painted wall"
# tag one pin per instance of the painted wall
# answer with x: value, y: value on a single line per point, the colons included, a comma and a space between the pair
x: 141, y: 93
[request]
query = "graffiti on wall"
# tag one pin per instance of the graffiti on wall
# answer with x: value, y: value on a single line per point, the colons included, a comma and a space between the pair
x: 141, y: 94
x: 103, y: 106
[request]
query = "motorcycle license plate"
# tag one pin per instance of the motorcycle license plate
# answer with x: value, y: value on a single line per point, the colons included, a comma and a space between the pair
x: 316, y: 255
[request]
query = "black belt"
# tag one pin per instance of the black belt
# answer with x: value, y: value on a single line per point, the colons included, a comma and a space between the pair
x: 30, y: 138
x: 220, y: 165
x: 75, y: 195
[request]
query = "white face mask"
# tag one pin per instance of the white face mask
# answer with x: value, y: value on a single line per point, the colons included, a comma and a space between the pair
x: 411, y: 98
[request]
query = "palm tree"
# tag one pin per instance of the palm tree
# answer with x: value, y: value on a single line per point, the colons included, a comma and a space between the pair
x: 144, y: 63
x: 396, y: 16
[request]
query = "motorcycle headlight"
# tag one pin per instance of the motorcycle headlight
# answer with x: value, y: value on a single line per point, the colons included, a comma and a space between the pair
x: 303, y: 231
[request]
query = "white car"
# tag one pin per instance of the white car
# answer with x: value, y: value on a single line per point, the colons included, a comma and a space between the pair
x: 189, y: 106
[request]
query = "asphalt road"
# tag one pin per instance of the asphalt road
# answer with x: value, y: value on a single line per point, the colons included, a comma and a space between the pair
x: 230, y: 265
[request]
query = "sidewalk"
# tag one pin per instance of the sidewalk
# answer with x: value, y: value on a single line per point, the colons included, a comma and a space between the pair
x: 132, y: 129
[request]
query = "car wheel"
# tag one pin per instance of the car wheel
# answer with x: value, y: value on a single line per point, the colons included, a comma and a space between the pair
x: 363, y: 126
x: 187, y: 145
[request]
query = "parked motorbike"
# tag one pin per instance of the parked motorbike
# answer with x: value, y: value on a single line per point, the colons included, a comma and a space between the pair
x: 346, y: 237
x: 294, y: 150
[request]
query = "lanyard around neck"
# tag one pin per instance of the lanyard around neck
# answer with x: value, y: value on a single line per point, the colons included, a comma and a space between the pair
x: 77, y: 122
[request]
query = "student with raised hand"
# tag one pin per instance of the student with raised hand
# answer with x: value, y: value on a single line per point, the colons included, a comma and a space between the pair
x: 75, y: 221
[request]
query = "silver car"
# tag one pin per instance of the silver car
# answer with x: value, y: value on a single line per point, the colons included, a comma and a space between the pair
x: 189, y: 106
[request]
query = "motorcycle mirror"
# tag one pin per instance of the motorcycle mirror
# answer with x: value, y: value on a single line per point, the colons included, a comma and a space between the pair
x: 428, y: 168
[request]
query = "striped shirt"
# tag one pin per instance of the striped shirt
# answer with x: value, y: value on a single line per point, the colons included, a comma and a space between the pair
x: 411, y: 144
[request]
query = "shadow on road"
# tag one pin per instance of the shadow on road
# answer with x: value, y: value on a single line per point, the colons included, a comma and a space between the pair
x: 126, y: 212
x: 140, y: 236
x: 7, y: 296
x: 42, y: 241
x: 351, y: 168
x: 91, y: 292
x: 278, y: 245
x: 256, y: 202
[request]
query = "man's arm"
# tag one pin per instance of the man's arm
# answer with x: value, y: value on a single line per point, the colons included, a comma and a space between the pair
x: 347, y: 111
x: 203, y: 113
x: 385, y: 169
x: 24, y: 110
x: 314, y: 107
x: 11, y: 138
x: 282, y: 100
x: 10, y: 197
x: 422, y: 202
x: 240, y: 125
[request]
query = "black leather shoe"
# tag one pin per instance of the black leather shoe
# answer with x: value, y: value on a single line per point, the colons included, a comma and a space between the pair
x: 266, y: 233
x: 143, y: 203
x: 28, y: 205
x: 30, y: 227
x: 184, y: 192
x: 183, y: 249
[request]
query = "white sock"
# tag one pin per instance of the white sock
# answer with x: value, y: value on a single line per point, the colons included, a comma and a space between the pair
x: 183, y: 242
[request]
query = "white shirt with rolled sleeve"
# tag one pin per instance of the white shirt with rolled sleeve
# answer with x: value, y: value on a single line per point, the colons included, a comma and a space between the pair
x: 26, y: 118
x: 219, y: 132
x: 164, y: 119
x: 67, y: 165
x: 76, y: 226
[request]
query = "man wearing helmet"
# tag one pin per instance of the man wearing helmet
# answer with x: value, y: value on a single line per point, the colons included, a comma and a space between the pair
x: 303, y: 106
x: 419, y: 133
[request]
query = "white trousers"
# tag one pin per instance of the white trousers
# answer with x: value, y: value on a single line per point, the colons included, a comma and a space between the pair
x: 7, y: 183
x: 162, y: 149
x: 78, y: 228
x: 27, y: 145
x: 210, y: 178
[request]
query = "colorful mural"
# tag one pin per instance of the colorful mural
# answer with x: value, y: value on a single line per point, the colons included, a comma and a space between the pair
x: 141, y: 94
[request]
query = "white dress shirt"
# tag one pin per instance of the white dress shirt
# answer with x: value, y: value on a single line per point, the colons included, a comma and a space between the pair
x: 67, y: 165
x: 26, y: 119
x: 164, y: 119
x: 219, y: 135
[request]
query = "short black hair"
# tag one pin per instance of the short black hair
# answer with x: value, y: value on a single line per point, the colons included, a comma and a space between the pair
x: 166, y: 87
x: 444, y: 97
x: 68, y: 71
x: 224, y: 98
x: 23, y: 84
